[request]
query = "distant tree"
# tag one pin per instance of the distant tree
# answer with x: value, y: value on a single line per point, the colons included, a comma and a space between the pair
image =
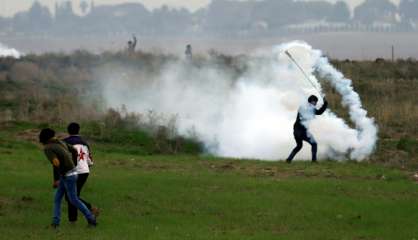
x: 226, y: 16
x: 84, y: 6
x: 340, y: 13
x: 66, y: 21
x: 277, y: 13
x: 409, y: 10
x: 3, y: 23
x: 39, y: 15
x: 64, y: 11
x: 37, y: 19
x: 315, y: 10
x: 127, y: 18
x: 171, y: 21
x: 375, y: 10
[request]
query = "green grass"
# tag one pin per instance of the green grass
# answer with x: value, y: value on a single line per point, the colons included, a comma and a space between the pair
x: 201, y: 197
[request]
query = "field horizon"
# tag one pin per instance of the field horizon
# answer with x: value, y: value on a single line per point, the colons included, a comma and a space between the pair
x: 361, y: 46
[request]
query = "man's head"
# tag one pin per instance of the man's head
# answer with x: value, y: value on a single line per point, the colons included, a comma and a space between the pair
x: 73, y: 128
x: 313, y: 100
x: 45, y: 135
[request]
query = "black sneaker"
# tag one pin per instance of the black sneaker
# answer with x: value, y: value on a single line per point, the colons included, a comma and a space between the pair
x: 92, y: 224
x: 54, y: 226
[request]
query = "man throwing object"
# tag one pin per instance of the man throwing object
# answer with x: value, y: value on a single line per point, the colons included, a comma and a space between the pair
x: 306, y: 113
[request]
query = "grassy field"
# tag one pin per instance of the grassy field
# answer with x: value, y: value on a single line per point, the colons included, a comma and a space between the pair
x: 146, y: 196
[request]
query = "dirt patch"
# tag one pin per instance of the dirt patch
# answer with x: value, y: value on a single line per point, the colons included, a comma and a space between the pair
x: 280, y: 171
x: 415, y: 177
x: 249, y: 170
x: 230, y: 166
x: 6, y: 152
x: 118, y: 163
x: 4, y: 202
x: 32, y: 135
x: 155, y: 167
x: 162, y: 167
x: 27, y: 199
x: 149, y: 166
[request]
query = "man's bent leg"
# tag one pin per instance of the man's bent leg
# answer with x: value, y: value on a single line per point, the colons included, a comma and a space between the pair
x: 314, y: 151
x: 81, y: 180
x: 311, y: 140
x: 57, y: 202
x: 299, y: 145
x: 70, y: 185
x: 72, y: 210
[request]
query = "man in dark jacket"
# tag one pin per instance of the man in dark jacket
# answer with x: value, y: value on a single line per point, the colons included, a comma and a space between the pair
x: 59, y: 154
x: 306, y: 113
x: 84, y: 161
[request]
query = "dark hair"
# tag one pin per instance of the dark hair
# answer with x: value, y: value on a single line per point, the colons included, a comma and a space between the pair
x: 312, y: 98
x: 45, y: 135
x: 73, y: 128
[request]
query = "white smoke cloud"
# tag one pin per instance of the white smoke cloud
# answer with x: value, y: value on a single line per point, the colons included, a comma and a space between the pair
x: 366, y: 128
x: 9, y: 52
x: 249, y: 115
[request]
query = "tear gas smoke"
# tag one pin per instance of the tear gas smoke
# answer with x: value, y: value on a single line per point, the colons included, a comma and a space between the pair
x: 9, y: 52
x: 250, y: 114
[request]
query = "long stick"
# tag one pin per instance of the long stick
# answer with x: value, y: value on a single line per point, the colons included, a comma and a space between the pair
x: 301, y: 69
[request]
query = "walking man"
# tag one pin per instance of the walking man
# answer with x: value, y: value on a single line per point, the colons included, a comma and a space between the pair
x: 84, y: 161
x: 60, y: 156
x: 306, y: 113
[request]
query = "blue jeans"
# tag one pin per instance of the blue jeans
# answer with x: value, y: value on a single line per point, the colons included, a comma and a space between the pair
x: 69, y: 185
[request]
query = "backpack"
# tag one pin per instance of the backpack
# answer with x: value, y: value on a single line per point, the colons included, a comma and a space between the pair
x: 74, y: 153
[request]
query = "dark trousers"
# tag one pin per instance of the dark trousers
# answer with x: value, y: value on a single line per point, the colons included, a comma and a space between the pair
x: 301, y: 134
x: 72, y: 210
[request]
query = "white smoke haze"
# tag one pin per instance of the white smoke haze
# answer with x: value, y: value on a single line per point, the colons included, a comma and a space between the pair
x: 248, y: 115
x: 9, y: 52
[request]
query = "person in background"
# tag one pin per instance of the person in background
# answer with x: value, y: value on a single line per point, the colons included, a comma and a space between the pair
x: 189, y: 52
x: 306, y: 113
x: 60, y: 155
x: 84, y: 161
x: 132, y: 44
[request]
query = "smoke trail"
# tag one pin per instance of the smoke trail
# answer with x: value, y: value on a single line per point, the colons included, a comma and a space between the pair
x: 367, y: 130
x: 9, y: 52
x: 250, y: 114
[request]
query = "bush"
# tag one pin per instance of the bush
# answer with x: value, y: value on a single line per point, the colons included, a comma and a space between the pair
x: 132, y: 135
x: 408, y: 145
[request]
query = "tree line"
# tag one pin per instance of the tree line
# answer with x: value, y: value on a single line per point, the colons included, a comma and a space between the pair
x: 220, y: 17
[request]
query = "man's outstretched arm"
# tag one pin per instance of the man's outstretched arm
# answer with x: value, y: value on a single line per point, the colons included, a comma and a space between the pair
x: 134, y: 42
x: 322, y: 109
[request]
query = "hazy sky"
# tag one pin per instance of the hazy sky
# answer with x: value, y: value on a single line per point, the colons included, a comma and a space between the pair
x: 10, y: 7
